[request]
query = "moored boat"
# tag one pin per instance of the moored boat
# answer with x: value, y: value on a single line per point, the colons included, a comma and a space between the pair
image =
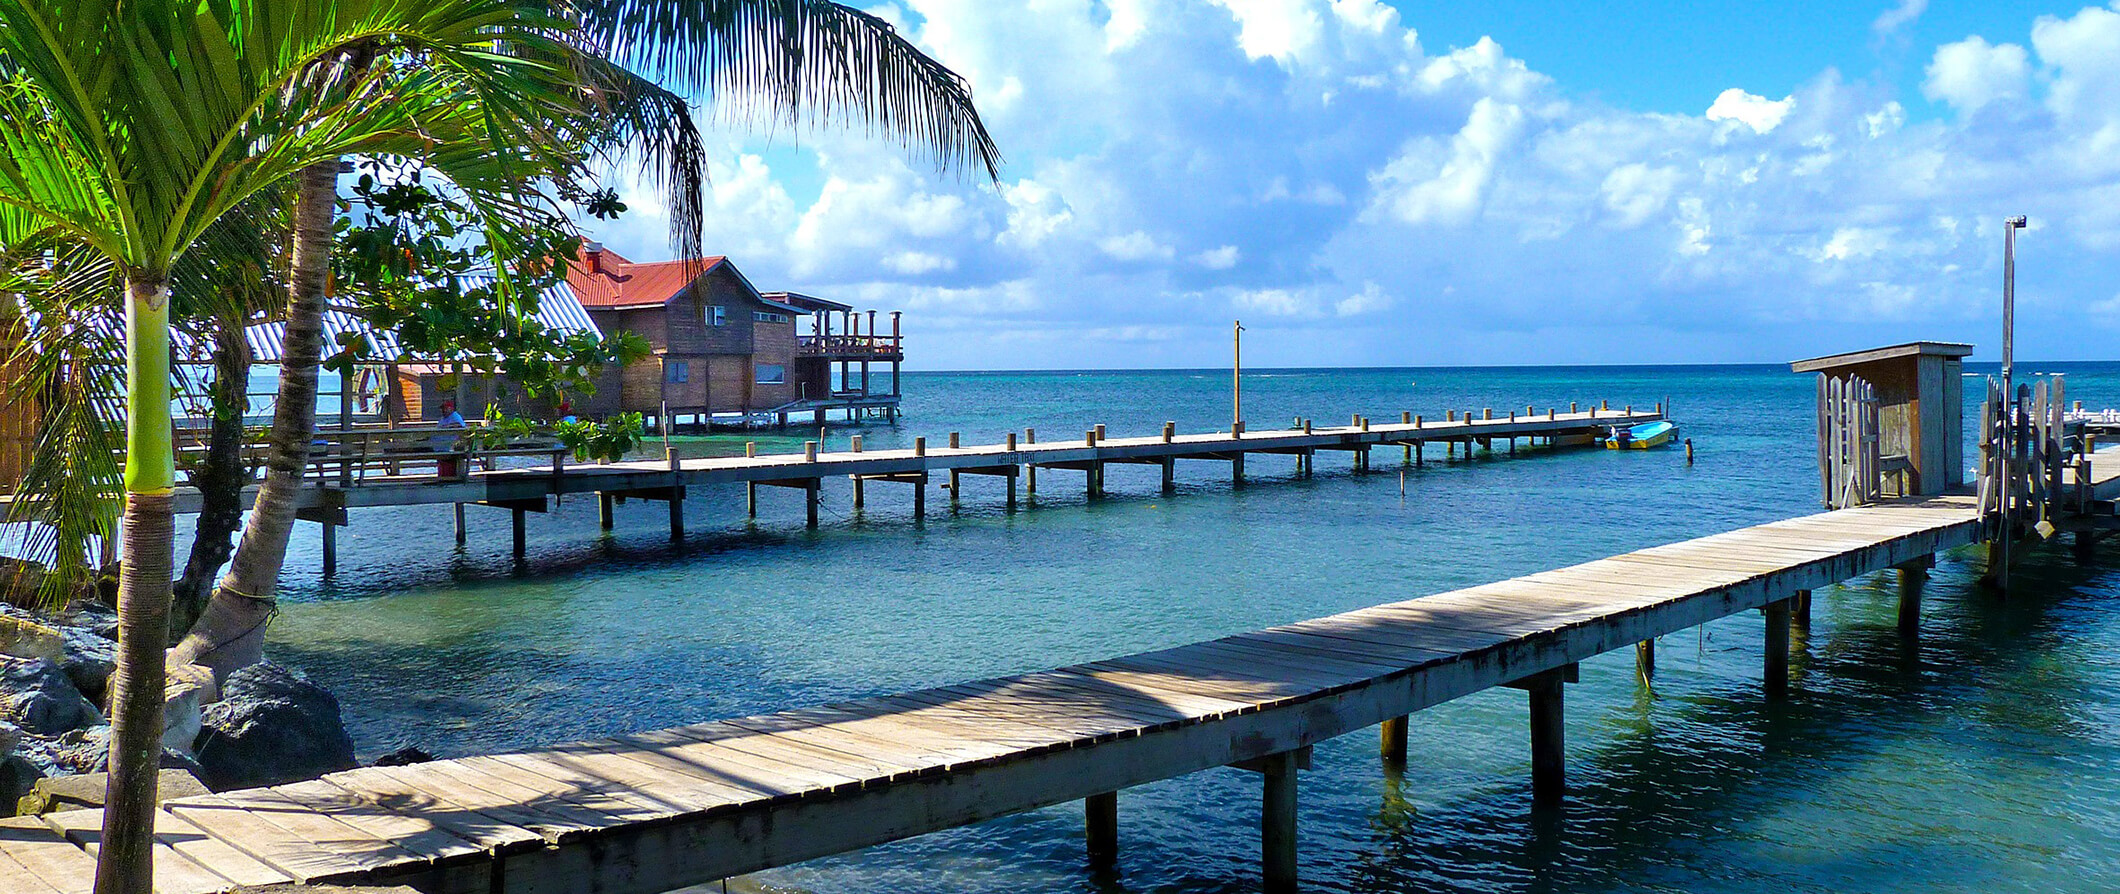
x: 1642, y: 437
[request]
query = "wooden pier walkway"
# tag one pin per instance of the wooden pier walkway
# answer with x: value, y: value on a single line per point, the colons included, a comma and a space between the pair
x: 525, y: 490
x: 654, y: 811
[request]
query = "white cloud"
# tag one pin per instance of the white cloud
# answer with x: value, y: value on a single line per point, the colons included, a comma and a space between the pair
x: 1754, y: 111
x: 1221, y: 258
x: 1435, y: 183
x: 1636, y: 191
x: 1135, y: 246
x: 1972, y: 73
x: 1899, y: 16
x: 1310, y: 166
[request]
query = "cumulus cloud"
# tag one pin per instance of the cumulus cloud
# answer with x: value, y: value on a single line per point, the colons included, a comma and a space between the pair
x: 1971, y: 73
x: 1759, y: 113
x: 1899, y: 16
x: 1312, y: 166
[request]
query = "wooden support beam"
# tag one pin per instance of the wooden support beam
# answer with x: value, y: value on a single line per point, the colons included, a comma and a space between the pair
x: 1170, y: 475
x: 1549, y: 740
x: 331, y: 549
x: 1277, y: 824
x: 858, y: 490
x: 1393, y: 746
x: 1910, y: 584
x: 518, y: 521
x: 677, y: 512
x: 750, y: 499
x: 1236, y: 470
x: 1777, y: 669
x: 810, y: 500
x: 1645, y: 659
x: 604, y: 513
x: 955, y: 480
x: 1800, y: 609
x: 459, y: 524
x: 1100, y: 820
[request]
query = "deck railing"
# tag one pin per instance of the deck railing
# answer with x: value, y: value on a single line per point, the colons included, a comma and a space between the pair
x: 849, y: 345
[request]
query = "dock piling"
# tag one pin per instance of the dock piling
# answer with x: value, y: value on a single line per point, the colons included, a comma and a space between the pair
x: 1549, y: 766
x: 677, y: 512
x: 1170, y: 432
x: 1170, y: 475
x: 331, y: 549
x: 1277, y: 823
x: 459, y: 524
x: 1393, y: 747
x: 855, y: 444
x: 604, y: 510
x: 519, y: 534
x: 859, y: 487
x: 811, y: 493
x: 1645, y: 659
x: 1777, y: 669
x: 953, y: 440
x: 1800, y: 609
x: 1100, y: 820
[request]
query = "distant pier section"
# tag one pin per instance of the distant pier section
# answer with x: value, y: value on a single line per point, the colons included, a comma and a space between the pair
x: 356, y: 470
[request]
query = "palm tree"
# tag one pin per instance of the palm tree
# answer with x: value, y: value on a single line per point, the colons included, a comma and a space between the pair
x: 775, y: 60
x: 134, y: 126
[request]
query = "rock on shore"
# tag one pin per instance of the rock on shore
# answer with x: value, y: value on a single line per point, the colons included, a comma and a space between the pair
x: 265, y: 726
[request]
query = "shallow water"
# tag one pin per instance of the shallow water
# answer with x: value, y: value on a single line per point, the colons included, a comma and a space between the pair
x: 1985, y: 756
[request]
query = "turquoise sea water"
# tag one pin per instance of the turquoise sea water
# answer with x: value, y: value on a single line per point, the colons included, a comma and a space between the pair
x: 1984, y: 756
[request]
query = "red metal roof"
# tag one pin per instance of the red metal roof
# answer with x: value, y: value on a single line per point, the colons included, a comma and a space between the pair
x: 620, y: 283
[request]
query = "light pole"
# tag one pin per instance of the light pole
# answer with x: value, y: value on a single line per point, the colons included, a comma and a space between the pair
x: 1236, y: 382
x: 2009, y: 296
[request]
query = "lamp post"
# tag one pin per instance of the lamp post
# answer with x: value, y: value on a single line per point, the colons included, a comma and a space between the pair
x: 2009, y: 296
x: 1236, y: 382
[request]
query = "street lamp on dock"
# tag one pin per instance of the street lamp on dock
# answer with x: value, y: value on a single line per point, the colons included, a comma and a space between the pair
x: 1236, y: 382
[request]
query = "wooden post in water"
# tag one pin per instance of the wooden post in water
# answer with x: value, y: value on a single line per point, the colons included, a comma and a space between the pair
x: 1645, y: 659
x: 1030, y: 479
x: 810, y: 496
x: 1549, y: 739
x: 519, y: 535
x: 1100, y: 816
x: 1012, y: 484
x: 1236, y: 469
x: 1800, y: 609
x: 750, y: 488
x: 1277, y: 823
x: 1910, y: 582
x: 1393, y: 747
x: 331, y: 547
x: 1170, y: 474
x: 859, y: 483
x: 604, y: 510
x: 1170, y: 432
x: 1777, y: 613
x: 459, y: 524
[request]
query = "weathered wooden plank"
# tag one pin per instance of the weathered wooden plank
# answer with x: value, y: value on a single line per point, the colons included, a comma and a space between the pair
x: 45, y: 855
x: 174, y: 873
x: 308, y: 846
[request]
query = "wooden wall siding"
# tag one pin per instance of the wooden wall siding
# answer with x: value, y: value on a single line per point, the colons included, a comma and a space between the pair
x: 774, y: 344
x: 811, y: 376
x: 689, y: 334
x: 728, y: 381
x: 640, y: 386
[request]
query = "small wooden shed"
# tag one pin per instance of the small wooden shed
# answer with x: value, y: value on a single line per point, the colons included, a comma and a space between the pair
x: 1920, y: 400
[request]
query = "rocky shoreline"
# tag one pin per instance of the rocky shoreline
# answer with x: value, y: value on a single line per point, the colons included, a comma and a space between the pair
x: 263, y: 725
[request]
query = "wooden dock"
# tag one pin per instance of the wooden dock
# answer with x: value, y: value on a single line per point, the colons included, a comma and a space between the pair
x: 524, y: 490
x: 654, y: 811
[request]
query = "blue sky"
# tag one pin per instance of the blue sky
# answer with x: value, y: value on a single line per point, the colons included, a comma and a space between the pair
x: 1411, y: 183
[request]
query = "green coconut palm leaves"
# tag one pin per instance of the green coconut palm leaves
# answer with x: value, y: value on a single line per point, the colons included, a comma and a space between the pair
x: 131, y: 127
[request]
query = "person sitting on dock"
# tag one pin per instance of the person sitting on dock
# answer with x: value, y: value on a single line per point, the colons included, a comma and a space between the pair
x: 450, y: 418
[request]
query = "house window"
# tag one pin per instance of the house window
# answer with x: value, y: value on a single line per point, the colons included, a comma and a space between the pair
x: 677, y: 372
x: 772, y: 374
x: 765, y: 317
x: 717, y: 315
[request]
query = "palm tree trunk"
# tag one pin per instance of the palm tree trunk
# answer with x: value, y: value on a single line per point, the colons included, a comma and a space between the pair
x: 219, y: 478
x: 230, y: 634
x: 126, y: 863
